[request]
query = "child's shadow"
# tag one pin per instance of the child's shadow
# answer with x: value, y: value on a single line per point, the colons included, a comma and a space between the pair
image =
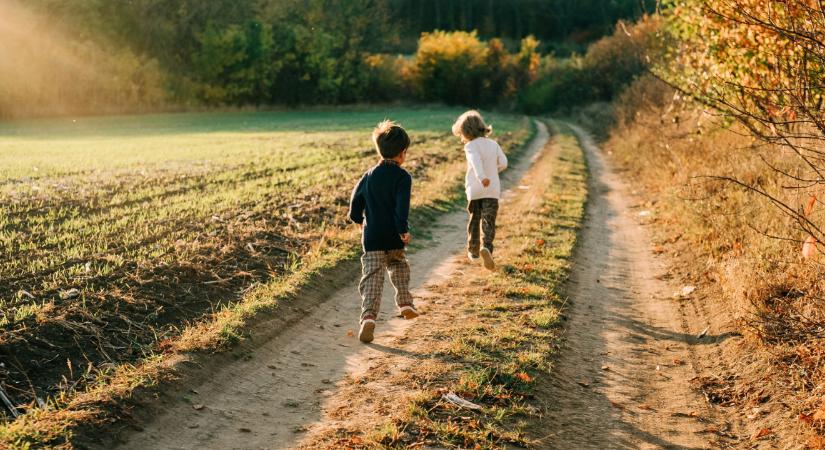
x: 415, y: 355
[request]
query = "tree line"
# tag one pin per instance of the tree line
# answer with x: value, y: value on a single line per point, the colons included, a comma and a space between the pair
x: 242, y: 52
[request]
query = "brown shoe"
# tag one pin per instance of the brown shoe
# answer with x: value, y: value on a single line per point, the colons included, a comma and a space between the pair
x: 409, y: 312
x: 487, y: 257
x: 367, y: 332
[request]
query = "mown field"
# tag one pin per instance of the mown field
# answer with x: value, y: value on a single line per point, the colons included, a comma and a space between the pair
x: 123, y: 239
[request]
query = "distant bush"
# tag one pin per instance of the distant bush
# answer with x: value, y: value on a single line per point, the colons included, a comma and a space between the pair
x: 609, y: 65
x: 387, y: 77
x: 458, y: 68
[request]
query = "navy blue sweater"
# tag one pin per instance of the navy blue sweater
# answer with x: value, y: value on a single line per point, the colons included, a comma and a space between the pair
x: 383, y: 197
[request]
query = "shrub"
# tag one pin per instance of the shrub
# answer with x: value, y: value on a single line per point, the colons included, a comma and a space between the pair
x: 459, y: 68
x: 451, y: 67
x: 385, y: 77
x: 609, y: 65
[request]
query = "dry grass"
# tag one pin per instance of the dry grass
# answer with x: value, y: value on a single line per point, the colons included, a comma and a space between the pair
x: 722, y: 236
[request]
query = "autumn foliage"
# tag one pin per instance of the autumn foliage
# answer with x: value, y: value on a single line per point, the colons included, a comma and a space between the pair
x: 763, y: 64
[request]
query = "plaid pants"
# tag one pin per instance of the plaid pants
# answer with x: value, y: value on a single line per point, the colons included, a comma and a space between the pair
x: 483, y: 214
x: 373, y: 265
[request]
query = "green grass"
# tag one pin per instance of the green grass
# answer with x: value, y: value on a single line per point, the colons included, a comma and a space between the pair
x: 43, y: 148
x: 175, y: 229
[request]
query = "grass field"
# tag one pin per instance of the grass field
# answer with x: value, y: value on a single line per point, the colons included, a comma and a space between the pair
x: 125, y: 238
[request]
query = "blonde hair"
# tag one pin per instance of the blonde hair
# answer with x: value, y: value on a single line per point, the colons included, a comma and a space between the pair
x: 470, y: 125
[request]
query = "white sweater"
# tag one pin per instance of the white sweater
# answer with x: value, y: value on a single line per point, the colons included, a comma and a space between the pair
x: 484, y: 160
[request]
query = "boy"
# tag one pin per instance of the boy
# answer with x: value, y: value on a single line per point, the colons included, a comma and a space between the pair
x: 383, y: 198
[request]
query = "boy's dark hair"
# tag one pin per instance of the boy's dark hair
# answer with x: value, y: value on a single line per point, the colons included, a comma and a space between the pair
x: 390, y: 139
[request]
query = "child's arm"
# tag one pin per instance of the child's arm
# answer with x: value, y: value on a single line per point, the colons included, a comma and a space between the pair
x: 474, y: 159
x: 502, y: 159
x: 403, y: 192
x: 357, y: 203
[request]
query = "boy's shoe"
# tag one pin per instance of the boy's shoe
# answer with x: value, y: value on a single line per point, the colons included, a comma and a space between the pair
x: 367, y: 332
x: 471, y: 257
x: 489, y: 264
x: 409, y: 312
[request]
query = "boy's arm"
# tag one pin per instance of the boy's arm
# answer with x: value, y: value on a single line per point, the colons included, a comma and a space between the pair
x: 475, y: 163
x: 402, y: 204
x: 357, y: 203
x: 502, y: 159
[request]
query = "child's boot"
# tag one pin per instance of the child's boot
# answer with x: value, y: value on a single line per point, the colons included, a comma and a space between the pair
x: 409, y: 312
x: 367, y: 332
x: 487, y: 257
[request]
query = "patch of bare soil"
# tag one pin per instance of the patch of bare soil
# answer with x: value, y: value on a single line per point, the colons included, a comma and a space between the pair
x: 635, y: 345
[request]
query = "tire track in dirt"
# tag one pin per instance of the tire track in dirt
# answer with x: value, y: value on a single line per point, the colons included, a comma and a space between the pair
x: 270, y: 398
x: 622, y: 380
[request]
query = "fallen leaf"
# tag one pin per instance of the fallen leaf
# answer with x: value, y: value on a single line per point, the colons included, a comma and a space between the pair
x: 806, y: 418
x: 197, y: 406
x: 810, y: 206
x: 524, y: 377
x: 458, y: 401
x: 605, y: 368
x: 583, y: 384
x: 761, y: 433
x: 809, y: 247
x: 350, y: 333
x: 540, y: 242
x: 646, y: 407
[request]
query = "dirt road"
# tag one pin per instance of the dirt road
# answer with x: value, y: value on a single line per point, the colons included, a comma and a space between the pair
x: 623, y: 377
x: 269, y: 400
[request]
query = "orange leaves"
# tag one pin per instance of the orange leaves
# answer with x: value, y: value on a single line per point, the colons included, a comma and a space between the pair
x: 809, y: 247
x: 524, y: 377
x: 809, y: 207
x: 762, y: 432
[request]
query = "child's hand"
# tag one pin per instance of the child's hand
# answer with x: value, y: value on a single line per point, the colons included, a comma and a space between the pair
x: 405, y: 238
x: 485, y: 182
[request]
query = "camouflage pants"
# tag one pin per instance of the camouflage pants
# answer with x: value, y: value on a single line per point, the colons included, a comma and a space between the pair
x: 482, y: 225
x: 373, y: 265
